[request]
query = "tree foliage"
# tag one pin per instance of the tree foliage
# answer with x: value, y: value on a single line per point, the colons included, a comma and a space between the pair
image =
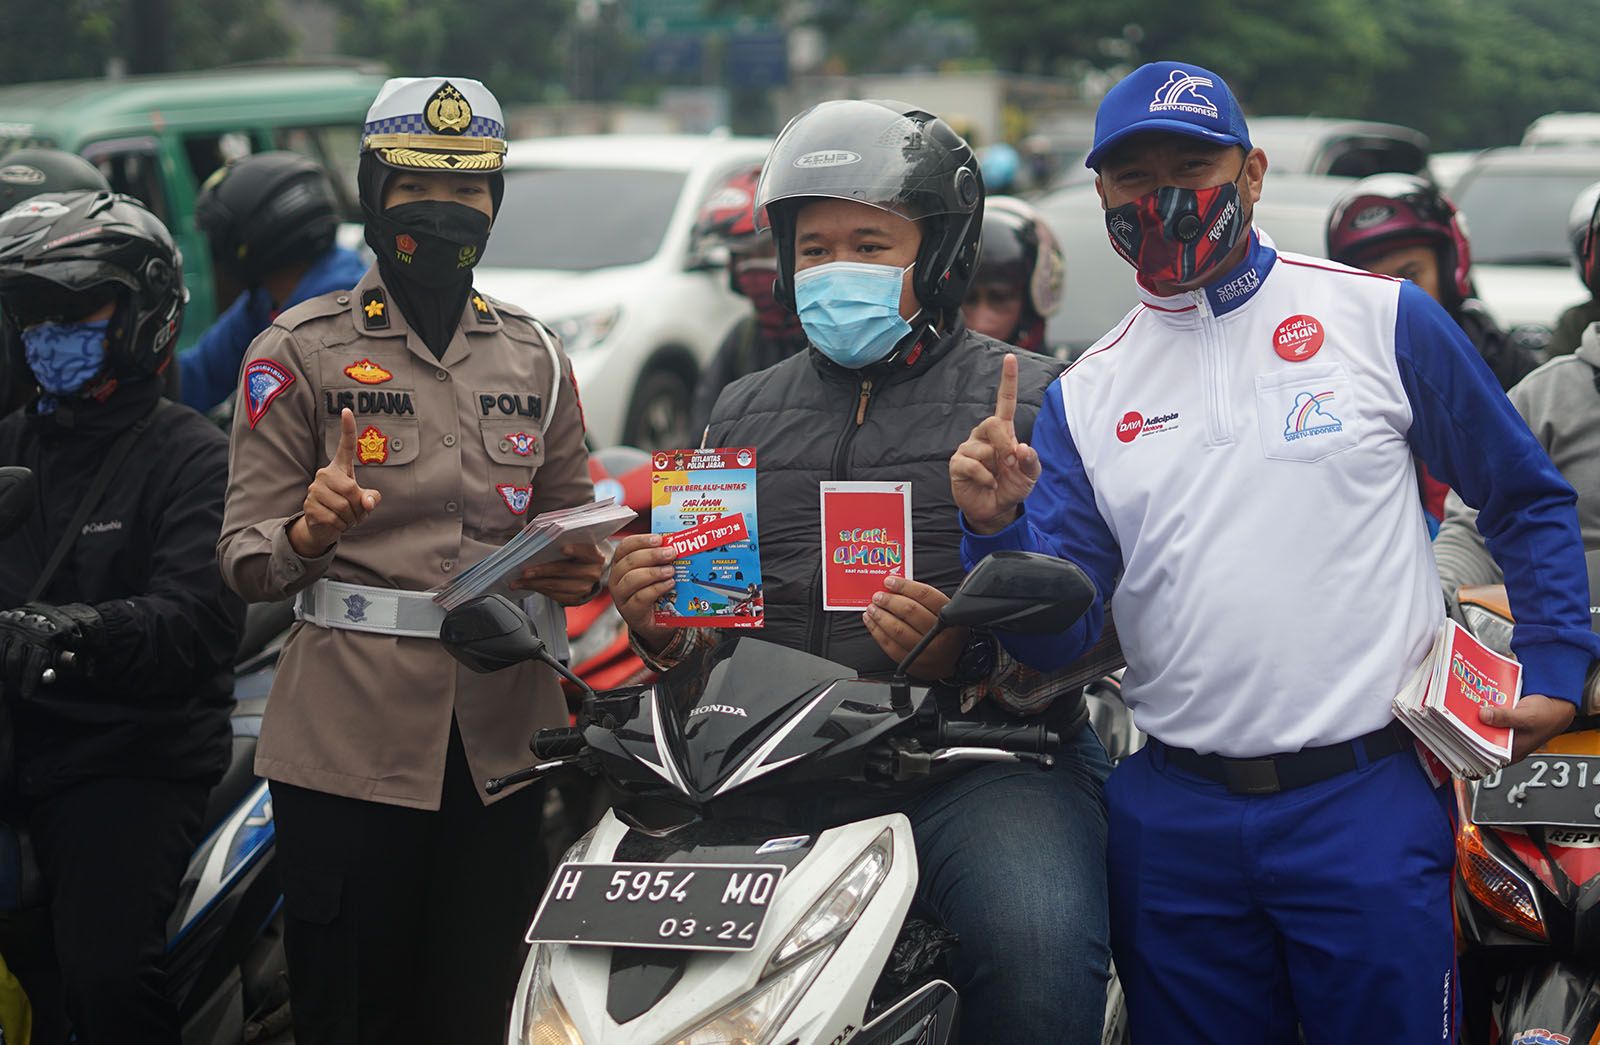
x: 81, y: 38
x: 515, y: 46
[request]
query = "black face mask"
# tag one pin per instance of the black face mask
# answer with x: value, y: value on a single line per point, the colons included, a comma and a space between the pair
x: 434, y: 243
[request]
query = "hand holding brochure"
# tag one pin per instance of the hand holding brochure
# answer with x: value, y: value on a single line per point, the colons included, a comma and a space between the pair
x: 539, y: 541
x: 1440, y: 703
x: 703, y: 502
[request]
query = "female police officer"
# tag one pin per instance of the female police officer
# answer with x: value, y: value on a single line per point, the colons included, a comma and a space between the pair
x: 429, y: 423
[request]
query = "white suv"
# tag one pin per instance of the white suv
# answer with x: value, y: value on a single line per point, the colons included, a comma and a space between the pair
x: 595, y: 237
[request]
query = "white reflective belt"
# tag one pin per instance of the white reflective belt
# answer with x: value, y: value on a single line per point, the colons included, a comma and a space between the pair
x: 357, y: 607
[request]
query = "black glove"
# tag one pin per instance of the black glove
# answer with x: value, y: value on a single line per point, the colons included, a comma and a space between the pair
x: 34, y: 637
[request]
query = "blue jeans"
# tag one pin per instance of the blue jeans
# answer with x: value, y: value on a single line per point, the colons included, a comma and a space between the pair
x: 1013, y: 860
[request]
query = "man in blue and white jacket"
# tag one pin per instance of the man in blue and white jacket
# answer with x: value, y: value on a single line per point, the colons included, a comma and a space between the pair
x: 1233, y: 467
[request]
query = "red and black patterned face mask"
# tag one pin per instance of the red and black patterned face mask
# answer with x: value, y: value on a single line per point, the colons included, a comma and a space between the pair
x: 752, y: 277
x: 1176, y: 235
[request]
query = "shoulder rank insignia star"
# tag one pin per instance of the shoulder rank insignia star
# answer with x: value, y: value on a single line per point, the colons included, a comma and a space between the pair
x: 373, y: 446
x: 480, y: 305
x: 367, y: 372
x: 376, y: 308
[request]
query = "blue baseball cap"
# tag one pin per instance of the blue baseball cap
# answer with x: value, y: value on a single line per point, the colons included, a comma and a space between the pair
x: 1168, y: 96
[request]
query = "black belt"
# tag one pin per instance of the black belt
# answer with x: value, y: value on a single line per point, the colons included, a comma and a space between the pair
x: 1273, y: 773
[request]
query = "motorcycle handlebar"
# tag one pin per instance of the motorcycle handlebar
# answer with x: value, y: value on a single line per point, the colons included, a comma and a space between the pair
x: 1034, y: 738
x: 556, y: 743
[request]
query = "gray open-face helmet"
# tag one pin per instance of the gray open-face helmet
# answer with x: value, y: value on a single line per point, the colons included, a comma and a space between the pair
x: 889, y: 155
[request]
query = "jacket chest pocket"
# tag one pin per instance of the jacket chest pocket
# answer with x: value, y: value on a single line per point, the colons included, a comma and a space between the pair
x: 513, y: 443
x: 381, y: 442
x: 1305, y: 413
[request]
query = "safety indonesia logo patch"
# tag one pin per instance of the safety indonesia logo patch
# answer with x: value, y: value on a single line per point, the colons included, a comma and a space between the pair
x: 1134, y: 424
x: 264, y: 381
x: 516, y: 497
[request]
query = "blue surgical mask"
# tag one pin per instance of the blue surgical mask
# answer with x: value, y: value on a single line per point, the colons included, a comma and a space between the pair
x: 851, y: 310
x: 66, y: 356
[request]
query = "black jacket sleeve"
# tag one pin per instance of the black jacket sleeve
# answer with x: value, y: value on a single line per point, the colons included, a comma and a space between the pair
x: 186, y: 623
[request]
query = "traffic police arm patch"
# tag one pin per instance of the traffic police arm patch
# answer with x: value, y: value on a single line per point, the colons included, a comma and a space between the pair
x: 264, y: 381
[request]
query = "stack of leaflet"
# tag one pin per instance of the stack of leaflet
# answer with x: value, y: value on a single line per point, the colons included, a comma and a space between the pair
x: 1440, y: 704
x: 540, y: 541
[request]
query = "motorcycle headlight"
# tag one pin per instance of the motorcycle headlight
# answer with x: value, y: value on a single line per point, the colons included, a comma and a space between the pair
x: 1491, y: 629
x: 1497, y: 887
x: 837, y: 909
x: 756, y: 1017
x: 544, y: 1018
x: 581, y: 332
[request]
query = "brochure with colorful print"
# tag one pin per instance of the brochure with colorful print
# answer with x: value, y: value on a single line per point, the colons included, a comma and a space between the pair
x: 866, y: 538
x: 704, y: 503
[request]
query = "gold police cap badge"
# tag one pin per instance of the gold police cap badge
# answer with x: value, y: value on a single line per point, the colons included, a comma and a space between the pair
x: 447, y: 111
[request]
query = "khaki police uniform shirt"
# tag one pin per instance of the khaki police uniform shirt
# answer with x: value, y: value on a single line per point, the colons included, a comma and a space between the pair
x: 453, y: 445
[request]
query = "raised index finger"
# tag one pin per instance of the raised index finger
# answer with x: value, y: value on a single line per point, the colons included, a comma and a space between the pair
x: 344, y: 457
x: 1005, y: 401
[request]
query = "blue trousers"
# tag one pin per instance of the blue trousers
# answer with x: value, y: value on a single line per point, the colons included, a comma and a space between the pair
x: 1234, y: 918
x: 1012, y: 859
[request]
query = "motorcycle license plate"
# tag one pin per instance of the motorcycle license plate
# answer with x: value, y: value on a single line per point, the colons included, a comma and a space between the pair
x: 692, y: 907
x: 1558, y: 790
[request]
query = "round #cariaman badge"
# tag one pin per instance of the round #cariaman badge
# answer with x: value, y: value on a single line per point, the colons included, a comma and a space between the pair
x: 1297, y: 338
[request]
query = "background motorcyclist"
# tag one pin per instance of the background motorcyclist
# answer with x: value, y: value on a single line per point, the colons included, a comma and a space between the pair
x: 1401, y: 225
x: 115, y: 757
x: 771, y: 333
x: 876, y: 256
x: 1561, y: 403
x: 270, y: 219
x: 26, y: 173
x: 1570, y: 328
x: 1021, y: 276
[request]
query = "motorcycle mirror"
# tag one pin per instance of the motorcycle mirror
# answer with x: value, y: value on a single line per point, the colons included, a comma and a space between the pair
x: 18, y: 492
x: 490, y: 634
x: 1023, y: 592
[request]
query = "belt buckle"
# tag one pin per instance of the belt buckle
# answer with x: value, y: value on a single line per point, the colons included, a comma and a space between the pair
x: 1252, y: 776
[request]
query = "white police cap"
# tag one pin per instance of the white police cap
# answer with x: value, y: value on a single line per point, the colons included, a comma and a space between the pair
x: 435, y: 123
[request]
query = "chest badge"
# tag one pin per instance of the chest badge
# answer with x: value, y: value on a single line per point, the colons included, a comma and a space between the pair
x: 516, y: 497
x: 522, y: 443
x: 1298, y: 338
x: 367, y: 372
x: 373, y: 446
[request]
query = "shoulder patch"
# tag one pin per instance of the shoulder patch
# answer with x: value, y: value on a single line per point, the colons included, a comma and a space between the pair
x: 318, y: 307
x: 264, y: 381
x: 374, y: 309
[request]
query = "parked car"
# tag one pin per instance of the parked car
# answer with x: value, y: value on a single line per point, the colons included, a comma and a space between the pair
x: 1338, y: 148
x: 1446, y: 168
x: 594, y: 238
x: 158, y: 138
x: 1516, y: 203
x: 1563, y: 130
x: 1293, y: 211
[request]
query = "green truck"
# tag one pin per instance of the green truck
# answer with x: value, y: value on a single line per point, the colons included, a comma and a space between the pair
x: 158, y: 138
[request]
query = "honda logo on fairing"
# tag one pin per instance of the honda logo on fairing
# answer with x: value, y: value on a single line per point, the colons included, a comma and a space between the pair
x: 721, y: 709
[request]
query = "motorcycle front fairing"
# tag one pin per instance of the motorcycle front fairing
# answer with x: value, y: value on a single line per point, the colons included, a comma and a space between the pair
x: 623, y: 996
x: 740, y: 712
